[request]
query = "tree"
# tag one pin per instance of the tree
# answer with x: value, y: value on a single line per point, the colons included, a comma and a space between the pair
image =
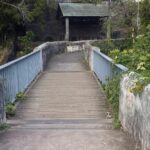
x: 145, y: 13
x: 124, y: 14
x: 14, y: 16
x: 18, y: 13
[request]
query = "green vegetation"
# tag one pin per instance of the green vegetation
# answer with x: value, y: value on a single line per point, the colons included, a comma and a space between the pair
x: 145, y: 13
x: 14, y: 18
x: 137, y: 59
x: 107, y: 46
x: 4, y: 126
x: 112, y: 92
x: 132, y: 53
x: 26, y: 43
x: 10, y: 109
x: 20, y: 96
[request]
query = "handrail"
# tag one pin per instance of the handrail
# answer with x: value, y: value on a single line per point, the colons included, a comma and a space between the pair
x: 102, y: 65
x: 120, y: 66
x: 19, y: 74
x: 17, y: 60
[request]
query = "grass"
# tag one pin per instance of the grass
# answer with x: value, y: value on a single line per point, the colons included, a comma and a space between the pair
x: 4, y: 126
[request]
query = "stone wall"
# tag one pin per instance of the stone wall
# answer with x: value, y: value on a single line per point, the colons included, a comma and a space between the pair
x: 135, y: 112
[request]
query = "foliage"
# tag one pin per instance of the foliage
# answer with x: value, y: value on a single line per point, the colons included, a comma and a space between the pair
x: 20, y: 96
x: 4, y: 126
x: 26, y: 42
x: 112, y: 92
x: 138, y: 58
x: 123, y: 14
x: 10, y: 109
x: 14, y: 17
x: 36, y: 9
x: 104, y: 45
x: 145, y: 13
x: 9, y: 17
x: 143, y: 41
x: 123, y: 44
x: 107, y: 46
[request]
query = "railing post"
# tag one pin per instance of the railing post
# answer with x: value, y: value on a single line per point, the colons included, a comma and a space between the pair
x: 41, y: 59
x: 2, y: 102
x: 17, y: 77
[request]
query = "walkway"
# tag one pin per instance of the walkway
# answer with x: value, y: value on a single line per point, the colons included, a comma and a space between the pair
x: 64, y: 110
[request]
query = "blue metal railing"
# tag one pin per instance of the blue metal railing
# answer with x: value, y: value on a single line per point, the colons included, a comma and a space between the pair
x: 102, y: 65
x: 18, y: 74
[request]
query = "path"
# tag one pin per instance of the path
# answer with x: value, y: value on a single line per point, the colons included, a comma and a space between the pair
x: 64, y: 110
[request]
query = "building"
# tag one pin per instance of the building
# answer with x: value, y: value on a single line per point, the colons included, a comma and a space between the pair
x: 82, y: 20
x: 67, y: 20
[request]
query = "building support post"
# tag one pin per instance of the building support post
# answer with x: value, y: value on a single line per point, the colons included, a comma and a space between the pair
x: 108, y: 29
x: 67, y: 29
x: 109, y: 21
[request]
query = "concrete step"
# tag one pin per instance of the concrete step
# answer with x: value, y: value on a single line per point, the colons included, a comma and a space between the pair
x: 105, y: 124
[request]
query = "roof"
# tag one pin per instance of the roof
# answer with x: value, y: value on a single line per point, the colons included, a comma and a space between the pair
x: 83, y: 10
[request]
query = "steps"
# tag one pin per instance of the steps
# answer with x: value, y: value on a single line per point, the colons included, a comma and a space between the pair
x: 74, y: 124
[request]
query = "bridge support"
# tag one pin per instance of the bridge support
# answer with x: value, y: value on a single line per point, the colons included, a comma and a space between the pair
x: 67, y: 29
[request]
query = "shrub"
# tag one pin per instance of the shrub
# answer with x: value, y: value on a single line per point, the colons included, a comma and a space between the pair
x: 10, y: 109
x: 136, y: 59
x: 112, y: 92
x: 107, y: 46
x: 26, y: 43
x: 4, y: 126
x: 20, y: 96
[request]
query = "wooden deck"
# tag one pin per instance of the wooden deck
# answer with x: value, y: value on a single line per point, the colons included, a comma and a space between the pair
x: 66, y: 90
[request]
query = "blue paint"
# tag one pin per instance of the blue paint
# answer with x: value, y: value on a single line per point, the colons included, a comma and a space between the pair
x: 17, y: 75
x: 104, y: 67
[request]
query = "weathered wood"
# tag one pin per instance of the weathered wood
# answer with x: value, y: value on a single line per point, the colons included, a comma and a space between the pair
x: 67, y: 90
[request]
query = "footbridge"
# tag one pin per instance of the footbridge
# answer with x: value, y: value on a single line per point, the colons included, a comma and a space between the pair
x: 65, y: 106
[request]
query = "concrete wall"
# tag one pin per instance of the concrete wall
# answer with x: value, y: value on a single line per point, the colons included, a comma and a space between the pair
x: 135, y: 112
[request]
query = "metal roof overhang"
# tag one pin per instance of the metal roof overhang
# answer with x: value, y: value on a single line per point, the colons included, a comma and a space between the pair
x: 83, y: 10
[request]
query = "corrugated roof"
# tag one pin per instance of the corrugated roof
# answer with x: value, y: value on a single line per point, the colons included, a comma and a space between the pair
x: 83, y: 10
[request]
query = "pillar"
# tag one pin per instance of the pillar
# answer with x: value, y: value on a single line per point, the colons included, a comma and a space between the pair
x: 67, y: 29
x: 108, y: 29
